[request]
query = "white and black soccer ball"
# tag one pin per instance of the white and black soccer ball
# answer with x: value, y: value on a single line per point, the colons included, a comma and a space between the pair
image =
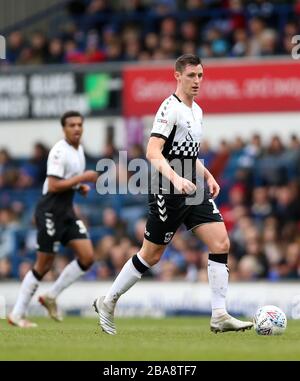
x: 269, y: 320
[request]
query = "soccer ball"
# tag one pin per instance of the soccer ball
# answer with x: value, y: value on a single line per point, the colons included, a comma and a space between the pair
x: 269, y: 320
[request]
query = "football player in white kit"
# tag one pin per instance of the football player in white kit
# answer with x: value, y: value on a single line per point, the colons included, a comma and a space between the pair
x: 176, y: 135
x: 57, y: 222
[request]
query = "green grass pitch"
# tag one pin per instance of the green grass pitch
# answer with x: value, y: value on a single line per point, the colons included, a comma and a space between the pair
x: 143, y: 339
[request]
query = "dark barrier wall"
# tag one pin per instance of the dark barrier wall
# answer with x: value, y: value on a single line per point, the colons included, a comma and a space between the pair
x: 138, y: 89
x: 47, y: 94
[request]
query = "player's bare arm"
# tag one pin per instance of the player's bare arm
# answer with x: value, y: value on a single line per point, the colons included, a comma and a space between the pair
x: 154, y: 155
x: 57, y: 185
x: 213, y: 186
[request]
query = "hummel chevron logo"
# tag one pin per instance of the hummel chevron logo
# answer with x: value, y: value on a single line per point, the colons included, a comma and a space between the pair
x: 162, y: 211
x: 163, y: 218
x: 161, y: 207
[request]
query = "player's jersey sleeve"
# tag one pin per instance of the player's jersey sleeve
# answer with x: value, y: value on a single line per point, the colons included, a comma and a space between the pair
x: 56, y: 162
x: 164, y: 120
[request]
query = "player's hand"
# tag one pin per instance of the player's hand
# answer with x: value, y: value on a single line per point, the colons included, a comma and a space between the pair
x: 84, y: 189
x: 184, y: 186
x: 89, y: 176
x: 213, y: 187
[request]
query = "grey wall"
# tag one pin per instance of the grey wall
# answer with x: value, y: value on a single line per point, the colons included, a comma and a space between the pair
x: 12, y: 11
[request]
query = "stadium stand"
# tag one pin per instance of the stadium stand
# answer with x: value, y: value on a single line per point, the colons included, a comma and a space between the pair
x: 92, y: 31
x: 260, y: 186
x: 259, y: 202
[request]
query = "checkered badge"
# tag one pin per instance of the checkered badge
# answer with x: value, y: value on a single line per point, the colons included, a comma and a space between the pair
x: 189, y: 149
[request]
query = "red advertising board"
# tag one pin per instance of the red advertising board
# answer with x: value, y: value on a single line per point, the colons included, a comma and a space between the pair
x: 226, y: 88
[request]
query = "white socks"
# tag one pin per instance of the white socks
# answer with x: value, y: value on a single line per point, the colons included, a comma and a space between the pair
x: 69, y: 275
x: 28, y: 287
x: 127, y: 277
x: 218, y: 281
x: 30, y: 284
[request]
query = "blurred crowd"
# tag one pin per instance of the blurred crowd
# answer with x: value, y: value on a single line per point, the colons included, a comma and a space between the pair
x: 136, y: 30
x: 259, y: 201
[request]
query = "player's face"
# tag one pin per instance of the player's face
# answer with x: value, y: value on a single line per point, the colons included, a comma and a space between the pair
x: 190, y: 79
x: 73, y: 129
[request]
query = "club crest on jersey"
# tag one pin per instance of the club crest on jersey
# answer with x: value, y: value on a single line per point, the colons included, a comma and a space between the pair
x: 168, y: 237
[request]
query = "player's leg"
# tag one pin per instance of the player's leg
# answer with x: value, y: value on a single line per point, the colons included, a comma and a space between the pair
x: 214, y: 235
x: 133, y: 270
x: 165, y: 216
x: 74, y: 270
x: 131, y: 273
x: 29, y: 286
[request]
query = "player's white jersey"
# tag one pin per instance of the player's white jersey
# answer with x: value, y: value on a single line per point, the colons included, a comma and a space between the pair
x: 180, y: 126
x: 64, y: 162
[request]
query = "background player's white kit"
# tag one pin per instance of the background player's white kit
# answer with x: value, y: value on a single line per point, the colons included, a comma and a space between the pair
x: 57, y: 222
x: 64, y: 161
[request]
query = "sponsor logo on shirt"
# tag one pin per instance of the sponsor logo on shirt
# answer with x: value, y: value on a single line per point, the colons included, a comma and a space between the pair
x: 162, y: 121
x: 189, y: 137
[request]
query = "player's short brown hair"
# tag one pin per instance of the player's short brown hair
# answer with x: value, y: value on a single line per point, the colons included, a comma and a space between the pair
x: 186, y: 59
x: 69, y: 114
